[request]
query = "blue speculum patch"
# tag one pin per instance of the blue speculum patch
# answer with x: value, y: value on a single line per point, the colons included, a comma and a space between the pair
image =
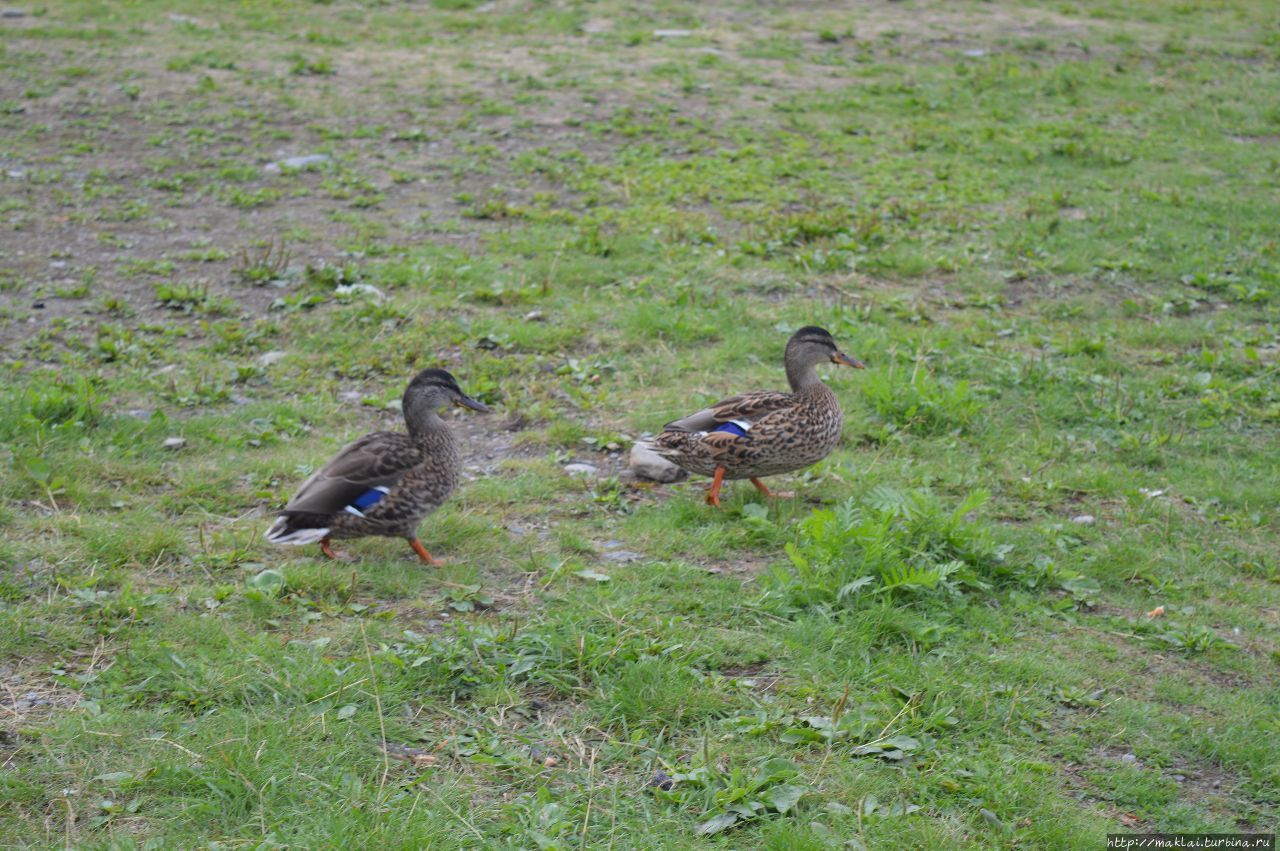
x: 368, y: 498
x: 732, y: 427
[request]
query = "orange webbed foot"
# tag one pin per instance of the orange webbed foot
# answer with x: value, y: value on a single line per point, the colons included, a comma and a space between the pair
x: 764, y: 489
x: 713, y: 495
x: 424, y: 556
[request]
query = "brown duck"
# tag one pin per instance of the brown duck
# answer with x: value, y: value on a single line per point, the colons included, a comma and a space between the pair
x: 764, y: 433
x: 386, y: 482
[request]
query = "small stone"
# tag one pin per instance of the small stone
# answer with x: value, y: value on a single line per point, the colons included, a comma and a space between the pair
x: 647, y: 464
x: 580, y: 469
x: 517, y: 530
x: 623, y: 557
x: 237, y: 399
x: 534, y: 316
x: 611, y: 545
x: 661, y: 780
x: 174, y: 442
x: 1084, y: 519
x: 139, y: 413
x: 268, y: 358
x: 975, y: 53
x: 1129, y: 757
x: 1180, y: 778
x: 13, y: 13
x: 296, y: 162
x: 364, y: 289
x: 672, y: 33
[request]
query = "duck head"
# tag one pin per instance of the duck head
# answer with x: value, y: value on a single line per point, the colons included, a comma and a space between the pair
x: 809, y: 347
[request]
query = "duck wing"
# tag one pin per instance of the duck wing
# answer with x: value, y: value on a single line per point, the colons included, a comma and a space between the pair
x: 377, y: 460
x: 746, y: 406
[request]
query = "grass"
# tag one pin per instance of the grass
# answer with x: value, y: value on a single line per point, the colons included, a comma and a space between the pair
x: 1056, y: 254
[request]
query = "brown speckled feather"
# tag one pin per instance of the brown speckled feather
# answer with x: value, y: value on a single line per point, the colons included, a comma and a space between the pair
x: 746, y: 406
x: 800, y: 429
x: 415, y: 473
x: 782, y: 432
x: 420, y: 476
x: 375, y: 460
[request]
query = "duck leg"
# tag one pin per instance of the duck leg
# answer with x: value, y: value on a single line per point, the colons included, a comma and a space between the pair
x: 713, y: 495
x: 765, y: 490
x: 423, y: 555
x: 326, y: 547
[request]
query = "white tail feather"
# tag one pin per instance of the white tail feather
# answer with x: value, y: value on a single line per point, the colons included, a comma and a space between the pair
x: 280, y: 533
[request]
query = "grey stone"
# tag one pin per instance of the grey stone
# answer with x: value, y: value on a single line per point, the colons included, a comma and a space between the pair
x: 647, y: 464
x: 581, y: 469
x: 13, y: 13
x: 268, y: 358
x: 174, y: 442
x: 672, y: 33
x: 623, y: 556
x: 296, y: 162
x: 1084, y: 519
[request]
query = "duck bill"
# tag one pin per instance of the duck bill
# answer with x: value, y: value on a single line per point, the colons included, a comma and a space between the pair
x: 842, y: 358
x: 468, y: 402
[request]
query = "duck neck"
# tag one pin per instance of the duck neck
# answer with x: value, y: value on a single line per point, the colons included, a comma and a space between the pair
x: 802, y: 376
x: 424, y: 424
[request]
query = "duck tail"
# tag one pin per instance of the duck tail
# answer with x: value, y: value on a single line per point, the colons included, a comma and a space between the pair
x: 283, y: 531
x: 672, y: 444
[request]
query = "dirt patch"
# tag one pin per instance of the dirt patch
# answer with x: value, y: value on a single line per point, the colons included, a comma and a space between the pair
x: 28, y: 697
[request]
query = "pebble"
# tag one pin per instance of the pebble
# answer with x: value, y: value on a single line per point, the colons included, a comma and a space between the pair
x: 647, y: 464
x: 661, y: 780
x: 672, y: 33
x: 13, y: 13
x: 268, y: 358
x: 296, y: 162
x: 975, y: 53
x: 174, y: 442
x: 623, y: 556
x: 517, y: 530
x: 1129, y: 757
x: 367, y: 289
x: 1084, y: 519
x: 581, y: 469
x: 534, y: 316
